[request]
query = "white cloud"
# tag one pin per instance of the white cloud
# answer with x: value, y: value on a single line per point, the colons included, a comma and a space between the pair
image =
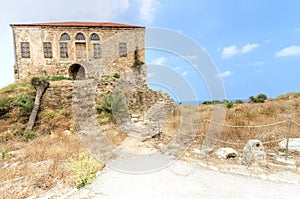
x: 158, y: 61
x: 184, y: 73
x: 224, y: 74
x: 147, y: 9
x: 68, y: 10
x: 248, y: 47
x: 229, y: 51
x: 289, y: 51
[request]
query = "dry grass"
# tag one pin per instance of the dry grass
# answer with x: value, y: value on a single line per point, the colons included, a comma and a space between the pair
x: 31, y: 167
x: 44, y: 162
x: 247, y: 114
x: 114, y: 134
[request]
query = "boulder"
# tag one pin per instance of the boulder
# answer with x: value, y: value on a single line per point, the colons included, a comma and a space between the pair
x: 294, y: 144
x: 253, y: 152
x: 225, y: 153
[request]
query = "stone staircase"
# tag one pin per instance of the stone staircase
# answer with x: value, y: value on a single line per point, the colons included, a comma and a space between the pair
x: 85, y: 117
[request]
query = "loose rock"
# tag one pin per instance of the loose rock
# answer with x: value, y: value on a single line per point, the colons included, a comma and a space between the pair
x: 294, y: 144
x: 225, y: 153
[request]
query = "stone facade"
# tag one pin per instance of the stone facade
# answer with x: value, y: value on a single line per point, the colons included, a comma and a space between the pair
x: 72, y: 48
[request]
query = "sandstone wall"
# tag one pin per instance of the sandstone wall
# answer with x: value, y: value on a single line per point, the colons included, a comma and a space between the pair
x: 110, y: 61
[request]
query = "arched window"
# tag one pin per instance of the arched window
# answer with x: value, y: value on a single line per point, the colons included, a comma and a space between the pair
x: 80, y: 36
x: 95, y: 37
x: 65, y: 37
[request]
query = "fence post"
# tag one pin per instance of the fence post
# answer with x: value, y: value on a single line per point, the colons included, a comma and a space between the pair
x: 203, y: 131
x: 288, y: 139
x: 158, y: 125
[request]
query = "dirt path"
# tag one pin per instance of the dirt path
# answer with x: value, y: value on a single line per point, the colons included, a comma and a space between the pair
x: 182, y: 180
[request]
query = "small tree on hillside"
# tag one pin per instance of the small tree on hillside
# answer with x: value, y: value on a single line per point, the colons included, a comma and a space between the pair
x: 40, y: 88
x: 261, y: 98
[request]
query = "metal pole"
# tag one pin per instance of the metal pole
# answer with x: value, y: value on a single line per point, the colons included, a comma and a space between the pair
x: 288, y: 139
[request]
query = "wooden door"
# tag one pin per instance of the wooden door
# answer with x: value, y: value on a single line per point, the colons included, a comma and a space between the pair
x: 81, y: 50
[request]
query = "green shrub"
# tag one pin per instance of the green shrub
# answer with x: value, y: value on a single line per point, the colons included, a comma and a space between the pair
x: 29, y: 135
x: 206, y: 102
x: 104, y: 105
x: 261, y: 98
x: 56, y: 78
x: 239, y: 101
x: 116, y: 75
x: 25, y: 103
x: 5, y: 105
x: 217, y: 102
x: 85, y: 169
x: 229, y: 104
x: 5, y: 154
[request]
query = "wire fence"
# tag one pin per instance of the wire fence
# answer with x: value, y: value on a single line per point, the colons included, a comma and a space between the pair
x: 238, y: 135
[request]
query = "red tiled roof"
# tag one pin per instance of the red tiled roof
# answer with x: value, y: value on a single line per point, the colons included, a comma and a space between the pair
x: 82, y: 24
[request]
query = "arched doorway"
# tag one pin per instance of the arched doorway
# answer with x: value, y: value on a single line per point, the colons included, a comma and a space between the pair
x: 76, y: 72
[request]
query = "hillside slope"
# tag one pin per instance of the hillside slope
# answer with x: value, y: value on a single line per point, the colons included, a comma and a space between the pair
x: 52, y: 159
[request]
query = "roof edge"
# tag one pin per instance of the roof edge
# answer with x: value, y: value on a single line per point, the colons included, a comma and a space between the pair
x: 81, y: 24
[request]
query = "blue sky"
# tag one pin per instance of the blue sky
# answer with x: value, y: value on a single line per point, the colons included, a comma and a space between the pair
x: 254, y: 44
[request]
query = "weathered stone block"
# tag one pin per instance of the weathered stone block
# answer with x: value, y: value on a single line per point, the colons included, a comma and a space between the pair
x: 253, y: 152
x: 225, y: 153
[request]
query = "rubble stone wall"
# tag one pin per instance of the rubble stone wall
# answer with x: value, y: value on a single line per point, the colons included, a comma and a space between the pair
x: 38, y: 66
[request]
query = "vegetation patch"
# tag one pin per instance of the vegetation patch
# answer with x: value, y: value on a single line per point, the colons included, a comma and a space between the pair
x: 29, y: 135
x: 25, y: 102
x: 117, y: 75
x: 5, y: 105
x: 261, y: 98
x: 5, y: 153
x: 56, y: 78
x: 85, y: 169
x: 15, y: 87
x: 112, y: 105
x: 227, y: 103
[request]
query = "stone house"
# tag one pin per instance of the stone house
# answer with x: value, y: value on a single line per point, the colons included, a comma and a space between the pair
x: 75, y: 49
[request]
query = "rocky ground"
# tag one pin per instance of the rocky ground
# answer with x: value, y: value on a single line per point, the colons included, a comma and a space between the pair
x: 144, y: 169
x: 190, y: 178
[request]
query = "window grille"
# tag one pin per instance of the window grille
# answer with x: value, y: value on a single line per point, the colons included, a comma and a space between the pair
x: 95, y: 37
x: 122, y: 50
x: 25, y: 50
x: 65, y: 37
x: 97, y: 51
x: 47, y: 50
x: 80, y: 36
x: 64, y: 50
